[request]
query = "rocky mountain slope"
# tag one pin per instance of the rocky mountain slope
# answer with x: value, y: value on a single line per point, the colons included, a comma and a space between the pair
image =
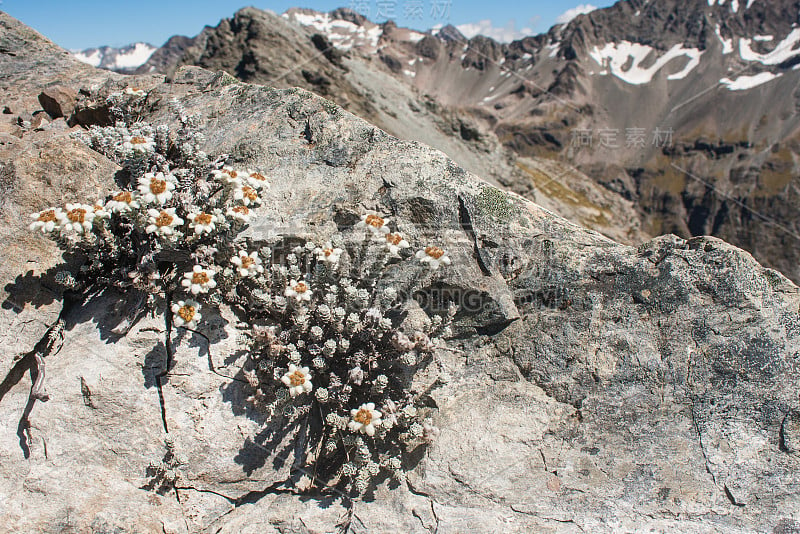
x: 261, y: 47
x: 687, y: 110
x: 622, y: 388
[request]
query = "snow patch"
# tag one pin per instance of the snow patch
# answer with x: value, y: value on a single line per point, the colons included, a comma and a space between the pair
x: 727, y: 44
x: 92, y: 59
x: 415, y: 37
x: 616, y: 56
x: 782, y: 51
x: 763, y: 38
x: 748, y: 82
x: 342, y: 34
x: 135, y: 58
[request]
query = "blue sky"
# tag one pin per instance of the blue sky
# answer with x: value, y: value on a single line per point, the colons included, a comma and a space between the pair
x: 78, y: 24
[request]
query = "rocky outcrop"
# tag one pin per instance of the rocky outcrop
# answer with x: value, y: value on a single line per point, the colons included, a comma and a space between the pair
x: 590, y: 386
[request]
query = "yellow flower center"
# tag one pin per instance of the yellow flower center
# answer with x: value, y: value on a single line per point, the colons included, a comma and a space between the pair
x: 434, y: 252
x: 78, y: 215
x: 258, y: 176
x: 200, y: 278
x: 232, y: 174
x: 301, y: 287
x: 297, y: 378
x: 327, y: 252
x: 164, y: 219
x: 203, y: 218
x: 247, y: 261
x: 158, y: 186
x: 138, y: 141
x: 394, y: 239
x: 47, y: 216
x: 374, y: 221
x: 249, y: 193
x: 187, y: 313
x: 363, y: 416
x: 124, y: 196
x: 244, y: 210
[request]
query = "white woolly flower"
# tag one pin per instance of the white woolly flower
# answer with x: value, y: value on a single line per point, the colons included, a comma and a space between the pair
x: 48, y: 220
x: 100, y: 211
x: 240, y: 213
x: 199, y: 280
x: 162, y: 222
x: 77, y: 218
x: 433, y: 256
x: 298, y: 380
x: 257, y: 180
x: 329, y: 254
x: 134, y: 91
x: 365, y: 419
x: 157, y: 188
x: 202, y: 222
x: 246, y: 194
x: 394, y: 243
x: 186, y: 313
x: 298, y: 290
x: 229, y: 176
x: 122, y: 202
x: 247, y: 265
x: 138, y: 143
x: 374, y: 223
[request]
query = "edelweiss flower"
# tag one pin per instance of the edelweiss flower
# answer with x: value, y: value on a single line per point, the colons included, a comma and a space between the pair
x: 100, y: 211
x: 77, y: 218
x: 394, y: 243
x: 122, y: 202
x: 365, y: 419
x: 298, y: 380
x: 186, y: 313
x: 202, y: 223
x: 229, y: 176
x: 240, y: 213
x: 157, y: 188
x: 134, y: 91
x: 138, y: 143
x: 257, y: 180
x: 246, y: 194
x: 374, y: 223
x: 247, y: 265
x: 199, y: 280
x: 328, y: 254
x: 163, y: 222
x: 298, y: 290
x: 433, y: 256
x: 47, y: 220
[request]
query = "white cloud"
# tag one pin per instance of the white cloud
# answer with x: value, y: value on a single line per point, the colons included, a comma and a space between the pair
x: 486, y: 28
x: 570, y: 14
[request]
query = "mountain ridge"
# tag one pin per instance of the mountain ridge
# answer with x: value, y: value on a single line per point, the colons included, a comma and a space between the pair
x: 719, y: 76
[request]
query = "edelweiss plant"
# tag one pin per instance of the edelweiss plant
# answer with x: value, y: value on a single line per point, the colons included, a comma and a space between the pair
x: 329, y: 345
x: 330, y: 330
